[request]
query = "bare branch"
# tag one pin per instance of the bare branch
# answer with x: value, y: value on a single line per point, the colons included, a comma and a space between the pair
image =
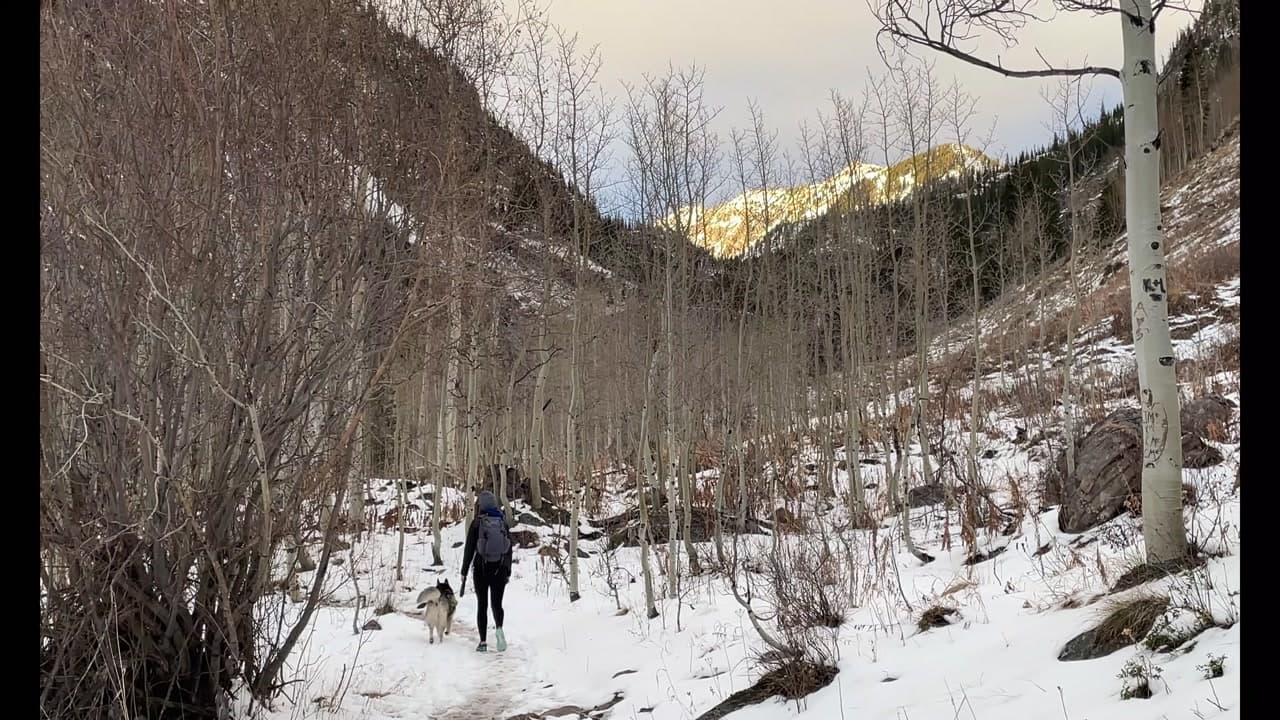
x: 943, y: 25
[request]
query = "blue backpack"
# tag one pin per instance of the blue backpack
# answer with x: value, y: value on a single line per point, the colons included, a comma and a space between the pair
x: 493, y: 541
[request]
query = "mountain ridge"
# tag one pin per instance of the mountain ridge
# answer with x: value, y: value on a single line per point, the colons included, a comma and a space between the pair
x: 736, y: 226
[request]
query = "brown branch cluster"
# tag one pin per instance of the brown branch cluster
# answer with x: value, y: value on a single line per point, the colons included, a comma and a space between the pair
x: 957, y: 27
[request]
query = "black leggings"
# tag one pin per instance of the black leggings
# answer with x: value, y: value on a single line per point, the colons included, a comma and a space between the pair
x: 488, y: 589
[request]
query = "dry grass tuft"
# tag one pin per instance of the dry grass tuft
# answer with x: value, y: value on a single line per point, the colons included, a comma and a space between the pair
x: 1126, y: 622
x: 1144, y: 573
x: 935, y: 617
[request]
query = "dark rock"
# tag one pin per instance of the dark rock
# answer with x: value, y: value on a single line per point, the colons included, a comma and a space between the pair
x: 624, y: 529
x: 524, y: 539
x: 1207, y: 416
x: 785, y: 519
x: 925, y: 495
x: 519, y: 487
x: 372, y: 625
x: 1196, y: 453
x: 1125, y: 625
x: 796, y: 678
x: 1109, y: 471
x: 981, y: 557
x: 530, y: 519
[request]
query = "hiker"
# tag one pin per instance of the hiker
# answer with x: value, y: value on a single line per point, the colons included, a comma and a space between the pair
x: 489, y: 544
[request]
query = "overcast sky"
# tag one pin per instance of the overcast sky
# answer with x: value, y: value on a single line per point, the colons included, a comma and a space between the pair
x: 788, y: 55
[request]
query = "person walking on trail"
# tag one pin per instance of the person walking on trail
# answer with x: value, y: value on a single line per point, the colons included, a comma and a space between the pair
x: 489, y: 545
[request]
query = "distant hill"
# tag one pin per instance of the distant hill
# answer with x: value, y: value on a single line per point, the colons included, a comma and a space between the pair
x: 734, y: 227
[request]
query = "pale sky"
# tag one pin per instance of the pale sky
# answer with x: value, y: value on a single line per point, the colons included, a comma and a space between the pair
x: 788, y: 55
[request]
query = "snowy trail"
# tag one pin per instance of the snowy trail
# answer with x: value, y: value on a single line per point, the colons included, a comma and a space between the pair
x: 501, y: 677
x: 399, y: 674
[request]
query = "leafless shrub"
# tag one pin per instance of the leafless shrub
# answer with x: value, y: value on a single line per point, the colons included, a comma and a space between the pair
x: 809, y: 582
x: 219, y: 303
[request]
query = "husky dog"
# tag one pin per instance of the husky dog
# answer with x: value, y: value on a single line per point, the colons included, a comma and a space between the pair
x: 440, y: 604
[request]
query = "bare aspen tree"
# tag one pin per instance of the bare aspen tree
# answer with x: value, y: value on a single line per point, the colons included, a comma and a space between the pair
x: 888, y: 115
x: 583, y: 129
x: 845, y: 140
x: 642, y: 140
x: 943, y: 26
x: 675, y: 149
x: 960, y: 112
x: 448, y: 23
x: 764, y: 156
x: 472, y: 456
x: 1067, y: 108
x: 644, y: 482
x: 917, y: 106
x: 443, y: 440
x: 814, y: 167
x: 735, y: 392
x: 536, y: 108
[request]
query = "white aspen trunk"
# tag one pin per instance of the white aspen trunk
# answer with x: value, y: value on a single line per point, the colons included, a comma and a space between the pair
x: 686, y: 495
x: 442, y: 455
x: 1162, y: 525
x: 644, y: 482
x: 355, y: 508
x: 571, y: 458
x: 974, y: 418
x: 401, y: 493
x: 1068, y: 365
x: 508, y: 455
x: 826, y: 426
x: 853, y: 412
x: 854, y: 337
x: 727, y: 432
x: 739, y: 440
x: 472, y: 452
x: 537, y: 435
x: 921, y: 416
x: 673, y: 519
x: 669, y: 454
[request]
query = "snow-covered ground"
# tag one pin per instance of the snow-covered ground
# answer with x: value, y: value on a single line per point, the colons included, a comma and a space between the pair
x: 996, y: 659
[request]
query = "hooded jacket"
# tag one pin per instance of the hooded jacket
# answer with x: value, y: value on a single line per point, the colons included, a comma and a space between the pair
x: 486, y: 504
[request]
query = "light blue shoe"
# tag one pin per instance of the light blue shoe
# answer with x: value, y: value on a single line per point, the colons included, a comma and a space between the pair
x: 502, y: 641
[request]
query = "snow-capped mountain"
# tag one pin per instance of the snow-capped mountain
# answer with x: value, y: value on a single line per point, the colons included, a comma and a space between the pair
x: 732, y: 228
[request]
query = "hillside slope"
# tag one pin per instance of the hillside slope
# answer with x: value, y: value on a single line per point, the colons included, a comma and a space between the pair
x: 999, y: 620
